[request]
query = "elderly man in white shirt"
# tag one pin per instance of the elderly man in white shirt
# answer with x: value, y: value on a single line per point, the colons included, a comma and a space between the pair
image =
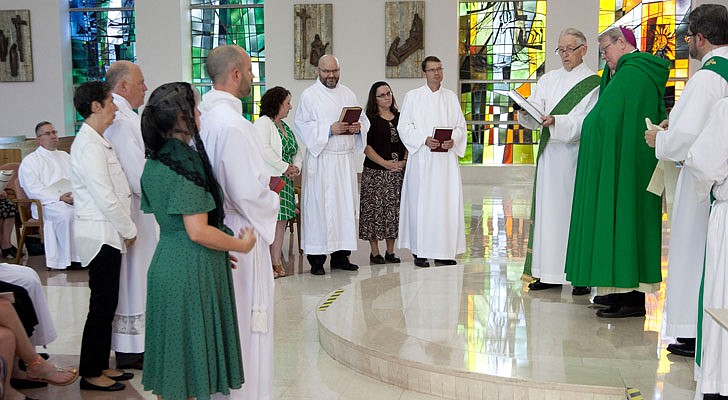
x: 45, y: 174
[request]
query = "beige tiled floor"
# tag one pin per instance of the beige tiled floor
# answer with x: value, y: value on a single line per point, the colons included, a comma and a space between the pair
x: 497, y: 229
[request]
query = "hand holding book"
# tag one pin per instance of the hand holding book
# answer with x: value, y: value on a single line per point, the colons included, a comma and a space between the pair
x: 442, y: 140
x: 348, y: 123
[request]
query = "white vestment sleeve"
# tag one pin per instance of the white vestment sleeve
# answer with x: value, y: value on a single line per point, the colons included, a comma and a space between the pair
x: 459, y: 132
x: 311, y: 130
x: 413, y: 139
x: 707, y: 158
x: 567, y: 128
x: 252, y: 197
x: 129, y: 151
x: 29, y: 174
x: 694, y: 106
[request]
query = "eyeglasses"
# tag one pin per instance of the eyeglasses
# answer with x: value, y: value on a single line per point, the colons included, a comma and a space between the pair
x: 329, y: 71
x: 53, y: 132
x: 603, y: 51
x: 383, y: 95
x: 567, y: 51
x: 439, y: 69
x: 689, y: 37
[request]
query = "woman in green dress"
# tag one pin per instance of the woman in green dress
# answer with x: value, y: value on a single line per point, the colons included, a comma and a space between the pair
x: 192, y: 346
x: 282, y: 155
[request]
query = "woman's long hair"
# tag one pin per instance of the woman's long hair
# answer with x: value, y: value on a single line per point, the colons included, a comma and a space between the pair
x: 372, y: 109
x: 167, y: 106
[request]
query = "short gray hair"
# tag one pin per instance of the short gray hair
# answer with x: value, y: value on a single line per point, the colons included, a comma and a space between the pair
x: 613, y: 33
x: 579, y: 35
x: 117, y: 72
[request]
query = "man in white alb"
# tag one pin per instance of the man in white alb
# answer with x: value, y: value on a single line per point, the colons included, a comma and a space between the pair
x: 565, y: 96
x: 125, y: 134
x: 707, y: 42
x: 330, y: 190
x: 431, y: 216
x: 45, y: 174
x: 236, y: 155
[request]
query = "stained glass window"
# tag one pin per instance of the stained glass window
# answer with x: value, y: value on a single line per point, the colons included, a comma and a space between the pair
x: 221, y: 22
x: 502, y: 47
x: 660, y: 28
x: 102, y: 31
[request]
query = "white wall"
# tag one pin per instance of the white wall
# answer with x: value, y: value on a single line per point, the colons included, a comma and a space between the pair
x: 359, y: 45
x: 23, y: 104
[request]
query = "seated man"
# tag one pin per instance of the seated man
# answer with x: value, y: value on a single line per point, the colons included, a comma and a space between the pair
x: 45, y: 174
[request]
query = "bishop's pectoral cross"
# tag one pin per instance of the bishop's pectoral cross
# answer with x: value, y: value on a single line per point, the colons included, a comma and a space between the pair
x: 304, y: 15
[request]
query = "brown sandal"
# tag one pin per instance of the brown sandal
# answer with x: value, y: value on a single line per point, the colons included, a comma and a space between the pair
x: 46, y: 376
x: 278, y: 271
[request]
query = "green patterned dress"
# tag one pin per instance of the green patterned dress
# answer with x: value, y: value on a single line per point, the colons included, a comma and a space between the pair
x: 192, y: 343
x: 288, y: 198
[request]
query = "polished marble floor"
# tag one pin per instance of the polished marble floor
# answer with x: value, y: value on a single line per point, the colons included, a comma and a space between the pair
x: 474, y: 317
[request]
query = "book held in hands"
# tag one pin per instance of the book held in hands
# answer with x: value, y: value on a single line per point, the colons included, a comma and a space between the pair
x: 350, y: 115
x: 441, y: 134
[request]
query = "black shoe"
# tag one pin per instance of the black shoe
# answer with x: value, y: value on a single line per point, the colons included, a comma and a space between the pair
x: 18, y: 383
x: 621, y: 312
x: 538, y: 285
x: 422, y: 262
x: 318, y: 270
x: 682, y: 349
x: 75, y: 266
x: 10, y: 252
x: 714, y: 396
x: 607, y: 300
x: 445, y: 262
x: 138, y: 364
x: 85, y: 385
x: 378, y: 259
x: 391, y: 258
x: 125, y: 376
x: 580, y: 290
x: 684, y: 340
x: 346, y: 266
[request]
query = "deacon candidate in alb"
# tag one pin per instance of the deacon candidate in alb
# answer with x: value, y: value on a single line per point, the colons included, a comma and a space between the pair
x: 616, y: 225
x: 707, y: 160
x: 431, y: 216
x: 236, y: 156
x: 45, y: 174
x: 708, y: 42
x: 567, y: 95
x: 330, y: 190
x: 125, y: 134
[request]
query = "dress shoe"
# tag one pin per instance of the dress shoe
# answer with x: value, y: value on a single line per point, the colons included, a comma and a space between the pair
x: 445, y: 262
x: 75, y: 266
x: 580, y: 290
x: 346, y: 266
x: 606, y: 300
x: 125, y: 376
x: 85, y: 385
x: 682, y: 349
x: 621, y: 312
x: 391, y: 258
x: 714, y: 396
x: 538, y: 285
x: 422, y: 262
x: 318, y: 270
x: 378, y: 259
x: 684, y: 340
x: 138, y: 364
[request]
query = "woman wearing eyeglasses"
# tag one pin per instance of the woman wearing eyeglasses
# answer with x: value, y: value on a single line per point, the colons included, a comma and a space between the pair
x: 381, y: 179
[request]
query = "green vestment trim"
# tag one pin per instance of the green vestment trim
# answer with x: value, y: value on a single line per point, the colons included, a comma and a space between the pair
x: 565, y: 105
x: 719, y: 65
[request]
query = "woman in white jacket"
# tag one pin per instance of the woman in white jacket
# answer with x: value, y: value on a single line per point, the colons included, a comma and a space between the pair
x: 283, y: 157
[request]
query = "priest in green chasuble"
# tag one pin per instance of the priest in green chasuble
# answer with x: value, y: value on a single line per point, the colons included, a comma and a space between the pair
x: 616, y: 226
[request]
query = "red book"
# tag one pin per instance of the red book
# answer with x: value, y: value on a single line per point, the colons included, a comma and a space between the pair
x: 349, y: 115
x: 441, y: 135
x: 277, y: 184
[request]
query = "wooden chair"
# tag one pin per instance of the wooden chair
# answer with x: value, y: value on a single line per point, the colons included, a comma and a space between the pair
x: 296, y: 221
x: 25, y: 224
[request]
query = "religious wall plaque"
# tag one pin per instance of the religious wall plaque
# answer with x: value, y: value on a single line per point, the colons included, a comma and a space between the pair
x: 16, y: 58
x: 312, y: 37
x: 404, y: 38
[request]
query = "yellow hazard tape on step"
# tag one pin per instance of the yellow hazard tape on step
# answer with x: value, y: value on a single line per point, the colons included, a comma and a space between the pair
x: 634, y: 394
x: 330, y: 300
